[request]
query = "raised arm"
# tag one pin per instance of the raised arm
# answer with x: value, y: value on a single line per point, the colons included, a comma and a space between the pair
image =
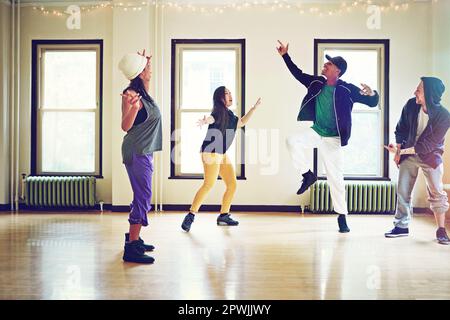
x: 364, y: 95
x: 243, y: 121
x: 298, y: 74
x: 131, y: 103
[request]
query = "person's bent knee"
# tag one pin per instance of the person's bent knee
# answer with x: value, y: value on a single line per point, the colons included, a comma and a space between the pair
x: 207, y: 186
x: 231, y: 187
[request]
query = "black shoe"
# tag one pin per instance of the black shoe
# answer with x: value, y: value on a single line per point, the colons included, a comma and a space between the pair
x: 146, y: 247
x: 186, y: 225
x: 397, y: 232
x: 308, y: 180
x: 442, y: 236
x: 133, y: 253
x: 225, y: 220
x: 342, y: 222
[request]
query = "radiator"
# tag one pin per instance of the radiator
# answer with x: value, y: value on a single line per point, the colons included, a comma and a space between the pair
x: 45, y: 191
x: 361, y: 198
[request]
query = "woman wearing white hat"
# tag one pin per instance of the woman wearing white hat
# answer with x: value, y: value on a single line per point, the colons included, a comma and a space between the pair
x: 141, y: 119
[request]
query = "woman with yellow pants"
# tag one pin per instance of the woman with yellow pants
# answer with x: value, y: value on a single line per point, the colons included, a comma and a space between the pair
x: 223, y: 124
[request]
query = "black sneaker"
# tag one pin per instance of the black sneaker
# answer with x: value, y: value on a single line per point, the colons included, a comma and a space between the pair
x: 186, y: 225
x: 225, y: 220
x: 397, y: 232
x: 146, y: 247
x: 133, y: 253
x: 442, y: 236
x: 308, y: 180
x: 342, y: 222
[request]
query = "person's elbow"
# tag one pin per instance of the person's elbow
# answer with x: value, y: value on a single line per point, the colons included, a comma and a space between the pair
x: 125, y: 127
x: 374, y: 100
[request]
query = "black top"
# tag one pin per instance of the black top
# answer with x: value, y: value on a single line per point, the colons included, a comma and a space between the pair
x: 217, y: 142
x: 140, y: 117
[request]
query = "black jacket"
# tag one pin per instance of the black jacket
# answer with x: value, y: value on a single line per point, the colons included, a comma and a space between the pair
x: 345, y: 95
x: 430, y: 144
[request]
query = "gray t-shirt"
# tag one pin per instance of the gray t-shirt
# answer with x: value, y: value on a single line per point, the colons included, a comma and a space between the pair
x: 422, y: 121
x: 145, y: 137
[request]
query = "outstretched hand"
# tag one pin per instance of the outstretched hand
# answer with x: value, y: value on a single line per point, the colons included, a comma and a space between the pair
x: 393, y: 149
x: 282, y: 49
x: 366, y: 90
x: 201, y: 122
x: 258, y: 102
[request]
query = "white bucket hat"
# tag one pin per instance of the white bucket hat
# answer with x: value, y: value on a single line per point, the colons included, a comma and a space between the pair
x: 132, y: 65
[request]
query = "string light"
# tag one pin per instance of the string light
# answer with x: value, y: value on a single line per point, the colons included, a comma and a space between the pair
x: 342, y: 7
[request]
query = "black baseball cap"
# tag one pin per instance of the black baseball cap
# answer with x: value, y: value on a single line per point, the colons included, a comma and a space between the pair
x: 338, y: 62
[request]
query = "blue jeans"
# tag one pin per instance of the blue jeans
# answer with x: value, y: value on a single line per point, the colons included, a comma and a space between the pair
x: 140, y: 172
x: 437, y: 197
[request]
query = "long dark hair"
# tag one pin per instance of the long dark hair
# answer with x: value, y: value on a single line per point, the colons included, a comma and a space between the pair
x: 137, y: 85
x: 220, y: 111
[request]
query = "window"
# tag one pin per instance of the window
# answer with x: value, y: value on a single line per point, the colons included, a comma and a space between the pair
x: 367, y: 62
x: 66, y: 111
x: 198, y: 68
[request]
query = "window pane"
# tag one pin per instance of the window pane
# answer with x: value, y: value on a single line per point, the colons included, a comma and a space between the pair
x: 362, y: 67
x: 204, y: 71
x: 190, y: 142
x: 68, y: 142
x: 70, y: 79
x: 363, y: 153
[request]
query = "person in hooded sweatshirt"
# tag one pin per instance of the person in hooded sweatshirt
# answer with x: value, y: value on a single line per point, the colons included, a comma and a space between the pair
x: 420, y: 135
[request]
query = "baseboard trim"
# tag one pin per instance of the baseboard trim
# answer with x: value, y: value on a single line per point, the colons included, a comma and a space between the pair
x: 185, y: 207
x: 5, y: 207
x: 207, y: 207
x: 23, y: 206
x: 422, y: 210
x: 247, y: 208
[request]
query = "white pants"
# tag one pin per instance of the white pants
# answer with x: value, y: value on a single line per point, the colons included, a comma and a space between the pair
x: 331, y: 154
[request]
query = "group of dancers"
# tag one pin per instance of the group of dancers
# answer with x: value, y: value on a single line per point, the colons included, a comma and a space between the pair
x: 419, y: 135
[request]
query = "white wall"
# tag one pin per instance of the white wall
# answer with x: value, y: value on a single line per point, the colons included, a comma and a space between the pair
x: 5, y: 43
x: 441, y: 62
x: 94, y: 25
x: 132, y: 31
x: 266, y: 76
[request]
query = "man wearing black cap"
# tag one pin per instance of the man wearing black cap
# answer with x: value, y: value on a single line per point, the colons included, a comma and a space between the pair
x: 328, y: 103
x: 420, y: 135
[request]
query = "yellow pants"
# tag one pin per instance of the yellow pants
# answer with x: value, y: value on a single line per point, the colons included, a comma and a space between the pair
x: 215, y: 164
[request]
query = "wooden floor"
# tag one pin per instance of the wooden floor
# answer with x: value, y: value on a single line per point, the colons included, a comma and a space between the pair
x: 269, y: 256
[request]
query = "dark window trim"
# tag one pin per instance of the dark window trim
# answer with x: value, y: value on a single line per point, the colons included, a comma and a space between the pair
x: 172, y: 99
x: 34, y: 88
x: 386, y: 43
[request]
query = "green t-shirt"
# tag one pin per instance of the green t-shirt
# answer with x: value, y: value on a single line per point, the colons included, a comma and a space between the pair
x: 325, y: 124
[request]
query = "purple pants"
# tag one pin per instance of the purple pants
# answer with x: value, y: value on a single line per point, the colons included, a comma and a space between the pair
x: 140, y: 172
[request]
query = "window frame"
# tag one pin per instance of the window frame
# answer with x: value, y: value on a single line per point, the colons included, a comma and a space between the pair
x: 36, y: 97
x: 384, y: 97
x: 176, y: 93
